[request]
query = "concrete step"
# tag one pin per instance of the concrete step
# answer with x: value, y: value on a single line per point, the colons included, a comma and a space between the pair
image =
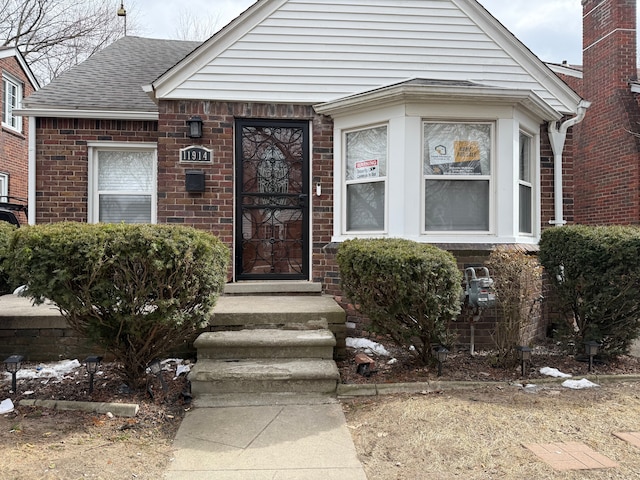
x: 265, y: 343
x: 214, y: 377
x: 308, y: 312
x: 280, y: 287
x: 263, y: 399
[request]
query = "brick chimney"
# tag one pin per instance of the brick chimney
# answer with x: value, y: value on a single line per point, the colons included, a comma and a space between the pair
x: 607, y: 160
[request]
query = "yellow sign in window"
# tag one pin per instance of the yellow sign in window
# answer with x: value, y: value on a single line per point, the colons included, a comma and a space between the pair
x: 466, y: 151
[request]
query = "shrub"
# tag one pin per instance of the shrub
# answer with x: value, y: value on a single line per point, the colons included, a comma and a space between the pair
x: 517, y: 286
x: 595, y: 274
x: 138, y: 291
x: 6, y: 230
x: 408, y: 290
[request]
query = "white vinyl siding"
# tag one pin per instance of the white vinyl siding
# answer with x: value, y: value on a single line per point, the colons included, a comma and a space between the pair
x: 314, y: 51
x: 122, y: 184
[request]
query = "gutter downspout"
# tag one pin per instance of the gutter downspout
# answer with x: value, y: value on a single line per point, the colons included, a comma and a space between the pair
x: 31, y: 179
x: 557, y: 138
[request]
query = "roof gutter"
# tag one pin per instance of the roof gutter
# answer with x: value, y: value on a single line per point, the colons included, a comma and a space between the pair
x: 557, y: 138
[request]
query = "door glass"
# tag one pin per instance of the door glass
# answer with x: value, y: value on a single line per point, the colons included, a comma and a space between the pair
x: 273, y: 201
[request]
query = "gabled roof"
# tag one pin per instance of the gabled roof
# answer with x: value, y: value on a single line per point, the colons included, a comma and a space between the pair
x: 316, y: 51
x: 6, y: 52
x: 109, y: 83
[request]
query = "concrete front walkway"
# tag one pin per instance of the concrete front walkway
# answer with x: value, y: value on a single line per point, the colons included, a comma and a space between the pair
x: 272, y: 442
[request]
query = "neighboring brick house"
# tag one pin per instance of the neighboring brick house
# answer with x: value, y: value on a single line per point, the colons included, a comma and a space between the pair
x: 607, y: 143
x: 302, y: 124
x: 17, y: 82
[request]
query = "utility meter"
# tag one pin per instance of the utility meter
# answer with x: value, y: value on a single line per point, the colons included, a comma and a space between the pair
x: 479, y: 290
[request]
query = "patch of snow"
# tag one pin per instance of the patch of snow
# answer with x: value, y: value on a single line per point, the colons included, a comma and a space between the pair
x: 48, y: 370
x: 393, y: 361
x: 368, y: 346
x: 6, y: 406
x: 554, y: 372
x: 579, y: 384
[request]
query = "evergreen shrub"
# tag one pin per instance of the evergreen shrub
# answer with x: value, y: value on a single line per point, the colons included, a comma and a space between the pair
x: 409, y: 291
x: 595, y: 274
x: 138, y: 291
x: 6, y: 230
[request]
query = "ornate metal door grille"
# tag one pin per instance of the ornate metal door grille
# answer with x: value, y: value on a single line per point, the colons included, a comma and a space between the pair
x: 272, y: 200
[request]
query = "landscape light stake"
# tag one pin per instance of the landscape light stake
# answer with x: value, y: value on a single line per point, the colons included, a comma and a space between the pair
x: 524, y: 354
x: 591, y: 349
x: 12, y: 364
x: 441, y: 356
x: 92, y: 363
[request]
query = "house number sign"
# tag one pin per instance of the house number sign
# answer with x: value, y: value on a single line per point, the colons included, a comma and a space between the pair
x: 195, y: 154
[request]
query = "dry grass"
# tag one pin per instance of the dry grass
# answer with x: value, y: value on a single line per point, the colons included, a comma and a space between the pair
x: 480, y: 434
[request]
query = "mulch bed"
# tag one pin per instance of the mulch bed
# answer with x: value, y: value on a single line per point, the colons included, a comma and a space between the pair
x: 460, y: 365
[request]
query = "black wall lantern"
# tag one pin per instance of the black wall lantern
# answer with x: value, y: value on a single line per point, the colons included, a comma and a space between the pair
x: 195, y: 127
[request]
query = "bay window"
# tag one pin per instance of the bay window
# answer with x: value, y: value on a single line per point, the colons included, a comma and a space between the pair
x: 525, y: 185
x: 123, y: 184
x: 457, y: 161
x: 365, y: 175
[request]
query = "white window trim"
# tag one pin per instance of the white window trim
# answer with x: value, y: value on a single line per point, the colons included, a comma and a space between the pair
x: 345, y: 183
x: 4, y: 187
x: 93, y: 204
x: 9, y: 79
x: 491, y: 178
x: 533, y: 174
x: 405, y: 218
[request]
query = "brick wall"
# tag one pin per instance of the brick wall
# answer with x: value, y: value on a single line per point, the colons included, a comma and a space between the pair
x: 14, y: 146
x: 213, y: 209
x: 607, y: 171
x: 62, y: 161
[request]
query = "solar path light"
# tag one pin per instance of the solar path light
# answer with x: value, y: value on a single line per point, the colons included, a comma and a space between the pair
x: 92, y: 363
x: 524, y: 355
x: 12, y: 364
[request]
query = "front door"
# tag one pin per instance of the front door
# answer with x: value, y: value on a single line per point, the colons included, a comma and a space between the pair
x: 272, y: 200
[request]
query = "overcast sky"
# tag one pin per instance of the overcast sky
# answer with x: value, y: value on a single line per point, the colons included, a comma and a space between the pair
x: 552, y: 29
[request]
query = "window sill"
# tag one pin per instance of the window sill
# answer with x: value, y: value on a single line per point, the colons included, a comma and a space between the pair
x: 13, y: 131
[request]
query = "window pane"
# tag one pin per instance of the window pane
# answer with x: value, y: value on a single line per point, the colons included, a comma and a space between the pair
x: 526, y: 222
x: 457, y: 149
x: 525, y: 158
x: 125, y: 208
x: 125, y: 171
x: 367, y: 153
x: 365, y: 207
x: 459, y: 205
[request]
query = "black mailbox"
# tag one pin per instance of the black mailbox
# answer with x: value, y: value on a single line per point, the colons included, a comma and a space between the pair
x: 194, y: 181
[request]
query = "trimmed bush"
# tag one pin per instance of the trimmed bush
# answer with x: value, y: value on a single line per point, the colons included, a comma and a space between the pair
x: 410, y: 291
x: 138, y: 291
x: 595, y: 274
x: 6, y: 230
x: 518, y: 289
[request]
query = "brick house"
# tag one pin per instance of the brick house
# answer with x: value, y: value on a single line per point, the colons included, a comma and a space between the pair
x: 302, y: 124
x: 17, y: 83
x: 606, y: 175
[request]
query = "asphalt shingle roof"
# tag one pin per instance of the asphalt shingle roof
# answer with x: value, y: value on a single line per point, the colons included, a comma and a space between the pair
x: 112, y: 79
